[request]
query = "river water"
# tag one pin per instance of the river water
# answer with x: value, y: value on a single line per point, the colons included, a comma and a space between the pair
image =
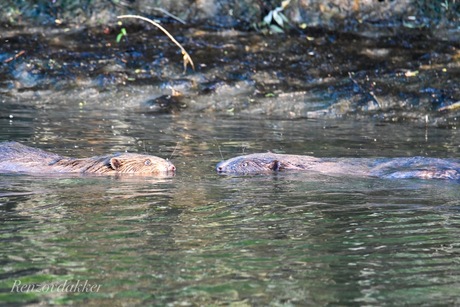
x: 200, y: 238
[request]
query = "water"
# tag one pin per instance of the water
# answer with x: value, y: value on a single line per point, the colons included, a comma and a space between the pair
x: 200, y: 238
x: 216, y: 240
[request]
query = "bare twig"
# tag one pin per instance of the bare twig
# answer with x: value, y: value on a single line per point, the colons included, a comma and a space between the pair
x: 451, y: 107
x: 186, y: 57
x: 159, y: 9
x: 371, y: 93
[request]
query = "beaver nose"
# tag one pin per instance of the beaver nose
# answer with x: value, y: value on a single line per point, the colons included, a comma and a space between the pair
x: 219, y: 167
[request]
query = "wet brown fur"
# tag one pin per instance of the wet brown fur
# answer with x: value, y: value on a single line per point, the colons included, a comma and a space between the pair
x: 396, y: 168
x: 15, y: 157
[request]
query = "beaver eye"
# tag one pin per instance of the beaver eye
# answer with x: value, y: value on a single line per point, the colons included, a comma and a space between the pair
x: 147, y: 162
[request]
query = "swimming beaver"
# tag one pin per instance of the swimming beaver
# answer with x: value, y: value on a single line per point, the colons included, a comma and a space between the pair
x: 15, y: 157
x: 398, y: 168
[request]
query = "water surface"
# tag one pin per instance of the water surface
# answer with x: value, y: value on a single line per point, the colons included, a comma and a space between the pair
x: 203, y: 238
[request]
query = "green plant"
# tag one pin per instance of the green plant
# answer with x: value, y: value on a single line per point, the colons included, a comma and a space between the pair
x: 275, y: 20
x: 121, y: 34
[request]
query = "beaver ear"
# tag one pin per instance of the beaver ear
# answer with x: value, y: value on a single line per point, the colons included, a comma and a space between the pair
x: 275, y: 165
x: 115, y: 163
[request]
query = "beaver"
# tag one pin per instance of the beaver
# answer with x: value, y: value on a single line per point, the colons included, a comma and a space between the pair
x: 396, y: 168
x: 16, y: 157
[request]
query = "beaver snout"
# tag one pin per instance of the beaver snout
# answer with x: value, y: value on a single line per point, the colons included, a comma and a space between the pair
x: 220, y: 168
x: 162, y: 166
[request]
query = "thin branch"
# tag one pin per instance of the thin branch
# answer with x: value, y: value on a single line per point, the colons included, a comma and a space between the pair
x: 186, y: 57
x: 169, y: 14
x: 371, y: 93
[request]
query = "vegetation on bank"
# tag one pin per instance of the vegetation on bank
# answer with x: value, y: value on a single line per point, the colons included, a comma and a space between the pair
x: 232, y: 13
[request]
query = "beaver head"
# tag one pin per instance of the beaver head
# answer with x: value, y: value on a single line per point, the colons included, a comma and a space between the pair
x: 131, y: 163
x: 254, y: 163
x: 119, y: 163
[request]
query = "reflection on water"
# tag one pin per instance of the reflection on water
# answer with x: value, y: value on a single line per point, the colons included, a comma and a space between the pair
x: 200, y: 238
x: 289, y: 238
